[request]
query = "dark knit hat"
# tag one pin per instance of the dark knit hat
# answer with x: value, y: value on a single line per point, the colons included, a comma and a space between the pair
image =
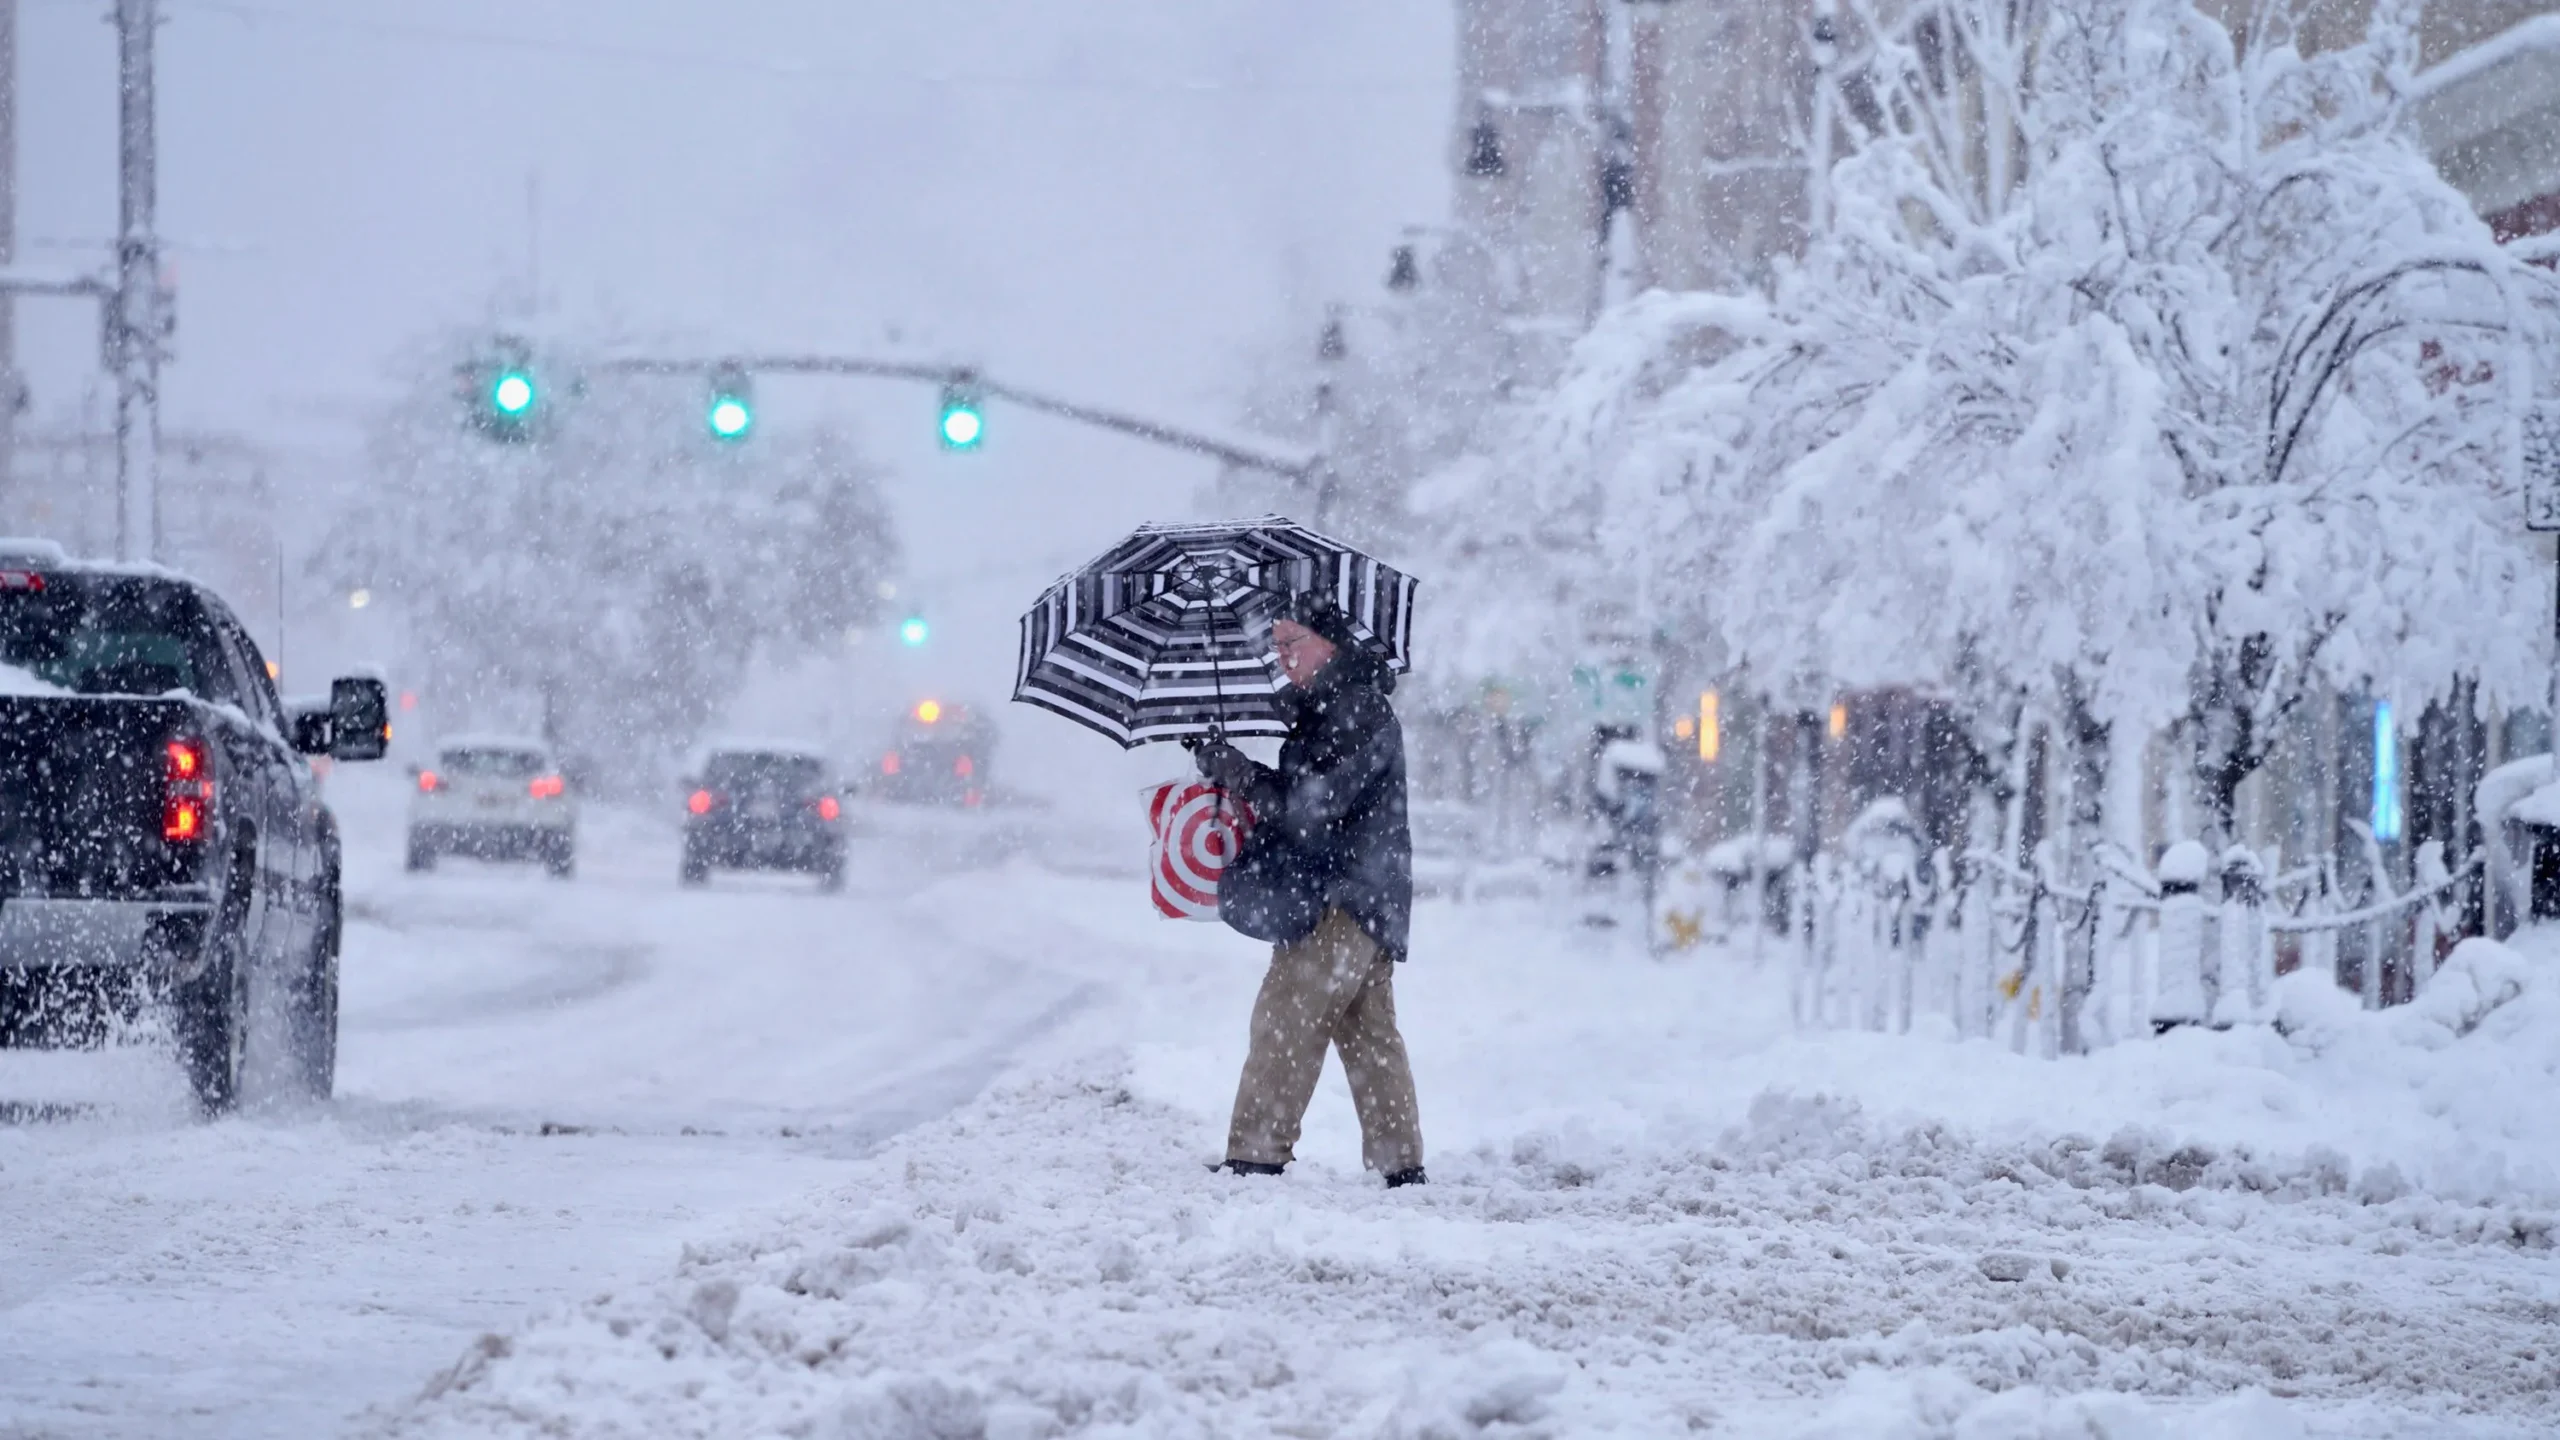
x: 1316, y: 610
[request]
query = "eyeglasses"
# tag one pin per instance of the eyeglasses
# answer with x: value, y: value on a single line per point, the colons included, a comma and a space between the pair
x: 1283, y: 647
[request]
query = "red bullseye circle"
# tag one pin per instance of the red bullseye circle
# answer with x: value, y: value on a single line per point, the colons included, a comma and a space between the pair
x: 1197, y: 833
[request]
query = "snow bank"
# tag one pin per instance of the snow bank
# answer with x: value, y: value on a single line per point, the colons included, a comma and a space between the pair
x: 1058, y: 1262
x: 17, y: 681
x: 1654, y: 1211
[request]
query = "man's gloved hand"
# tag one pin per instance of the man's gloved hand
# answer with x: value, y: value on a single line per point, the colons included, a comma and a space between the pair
x: 1224, y: 766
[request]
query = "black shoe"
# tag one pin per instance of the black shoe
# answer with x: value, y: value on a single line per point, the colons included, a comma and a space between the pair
x: 1247, y: 1167
x: 1413, y: 1176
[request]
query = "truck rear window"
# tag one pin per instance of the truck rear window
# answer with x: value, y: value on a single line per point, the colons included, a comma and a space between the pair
x: 766, y: 774
x: 114, y: 635
x: 485, y: 763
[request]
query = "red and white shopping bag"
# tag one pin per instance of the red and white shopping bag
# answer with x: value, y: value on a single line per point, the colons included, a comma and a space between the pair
x: 1196, y: 837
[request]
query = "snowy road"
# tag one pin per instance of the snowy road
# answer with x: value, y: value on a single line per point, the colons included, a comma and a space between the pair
x: 617, y: 1160
x: 544, y: 1089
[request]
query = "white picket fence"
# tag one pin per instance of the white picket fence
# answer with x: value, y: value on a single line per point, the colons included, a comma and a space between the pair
x: 1979, y: 947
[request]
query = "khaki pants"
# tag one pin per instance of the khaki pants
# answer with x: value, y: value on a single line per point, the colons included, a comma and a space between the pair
x: 1334, y: 986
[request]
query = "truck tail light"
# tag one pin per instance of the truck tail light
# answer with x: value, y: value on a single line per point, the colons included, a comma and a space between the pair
x: 701, y: 801
x: 828, y: 809
x: 428, y: 780
x: 545, y: 787
x: 187, y: 802
x: 964, y: 767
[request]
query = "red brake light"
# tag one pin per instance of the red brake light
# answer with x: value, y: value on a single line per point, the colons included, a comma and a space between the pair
x: 828, y: 809
x: 700, y: 802
x: 20, y: 580
x: 889, y: 763
x: 189, y: 767
x: 964, y: 767
x: 546, y: 786
x: 428, y: 781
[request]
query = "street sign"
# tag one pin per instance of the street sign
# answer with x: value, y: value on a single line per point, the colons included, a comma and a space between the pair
x: 1619, y: 694
x: 2542, y: 469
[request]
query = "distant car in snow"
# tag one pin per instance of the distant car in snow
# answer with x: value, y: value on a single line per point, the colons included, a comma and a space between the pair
x: 493, y: 797
x: 937, y: 754
x: 764, y: 807
x: 163, y: 843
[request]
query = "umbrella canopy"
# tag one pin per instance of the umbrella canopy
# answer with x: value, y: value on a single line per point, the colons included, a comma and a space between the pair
x: 1168, y: 633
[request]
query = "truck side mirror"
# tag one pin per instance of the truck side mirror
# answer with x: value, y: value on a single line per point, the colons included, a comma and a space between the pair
x: 359, y: 718
x: 306, y: 720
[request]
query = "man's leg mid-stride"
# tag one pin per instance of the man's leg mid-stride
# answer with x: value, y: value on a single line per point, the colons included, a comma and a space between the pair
x: 1331, y: 987
x: 1381, y: 1076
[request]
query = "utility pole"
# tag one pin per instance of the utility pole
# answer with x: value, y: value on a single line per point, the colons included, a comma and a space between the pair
x: 134, y: 326
x: 11, y: 386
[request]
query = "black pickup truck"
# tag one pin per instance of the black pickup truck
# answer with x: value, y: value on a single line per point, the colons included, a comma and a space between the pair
x: 163, y: 845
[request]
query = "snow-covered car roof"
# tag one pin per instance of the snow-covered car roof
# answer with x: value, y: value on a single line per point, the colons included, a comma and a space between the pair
x: 492, y: 742
x: 796, y: 749
x: 34, y: 552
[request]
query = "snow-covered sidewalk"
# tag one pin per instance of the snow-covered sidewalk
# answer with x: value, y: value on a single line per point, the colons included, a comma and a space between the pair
x: 1653, y: 1211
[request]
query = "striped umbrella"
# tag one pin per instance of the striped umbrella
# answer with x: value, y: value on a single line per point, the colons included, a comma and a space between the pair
x: 1168, y: 634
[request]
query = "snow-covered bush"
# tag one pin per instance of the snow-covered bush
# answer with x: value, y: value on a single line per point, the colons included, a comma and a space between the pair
x: 2201, y: 392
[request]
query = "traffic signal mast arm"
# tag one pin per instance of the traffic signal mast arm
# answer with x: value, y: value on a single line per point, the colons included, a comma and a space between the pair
x: 1255, y: 452
x: 37, y: 280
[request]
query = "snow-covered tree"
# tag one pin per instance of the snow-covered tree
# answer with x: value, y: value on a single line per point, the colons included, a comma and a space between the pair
x: 610, y: 580
x: 2185, y: 390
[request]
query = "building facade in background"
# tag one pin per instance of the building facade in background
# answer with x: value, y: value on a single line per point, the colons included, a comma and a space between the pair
x: 1719, y: 101
x: 1530, y: 145
x: 1699, y: 123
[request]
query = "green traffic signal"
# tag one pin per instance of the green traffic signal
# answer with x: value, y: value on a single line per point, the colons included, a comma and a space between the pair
x: 500, y: 396
x: 914, y: 632
x: 964, y: 423
x: 512, y: 394
x: 733, y: 406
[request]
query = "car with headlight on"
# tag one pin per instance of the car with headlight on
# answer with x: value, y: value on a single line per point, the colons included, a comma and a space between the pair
x: 936, y: 754
x: 764, y: 807
x: 493, y: 797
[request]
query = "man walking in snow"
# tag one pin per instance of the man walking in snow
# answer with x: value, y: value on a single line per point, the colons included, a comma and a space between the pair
x: 1331, y: 821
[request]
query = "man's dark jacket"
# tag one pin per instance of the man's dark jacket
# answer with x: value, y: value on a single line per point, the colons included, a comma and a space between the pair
x: 1338, y: 795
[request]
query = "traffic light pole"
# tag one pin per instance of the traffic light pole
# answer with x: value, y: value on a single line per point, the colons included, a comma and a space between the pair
x: 134, y: 312
x: 133, y: 323
x: 1276, y: 457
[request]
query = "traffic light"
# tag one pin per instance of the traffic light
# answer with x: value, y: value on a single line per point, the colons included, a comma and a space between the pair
x: 913, y: 631
x: 964, y: 420
x: 732, y: 413
x: 512, y: 394
x: 501, y: 391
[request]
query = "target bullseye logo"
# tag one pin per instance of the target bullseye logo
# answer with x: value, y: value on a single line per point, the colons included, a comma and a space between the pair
x: 1196, y: 837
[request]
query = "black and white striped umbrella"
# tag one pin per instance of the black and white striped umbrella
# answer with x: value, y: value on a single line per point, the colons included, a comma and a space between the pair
x: 1168, y: 633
